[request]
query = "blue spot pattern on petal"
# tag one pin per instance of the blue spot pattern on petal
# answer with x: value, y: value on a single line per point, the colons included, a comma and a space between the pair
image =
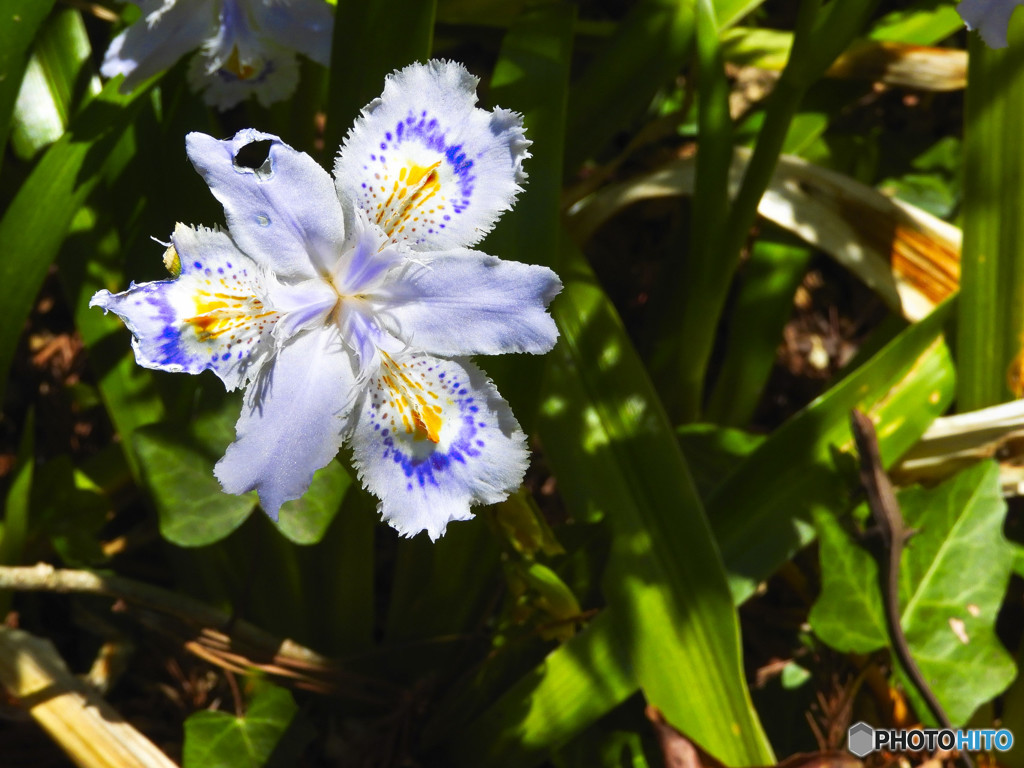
x: 424, y: 463
x: 426, y: 130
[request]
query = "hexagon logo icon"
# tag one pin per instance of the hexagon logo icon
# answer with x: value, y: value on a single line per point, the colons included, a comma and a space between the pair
x: 860, y: 739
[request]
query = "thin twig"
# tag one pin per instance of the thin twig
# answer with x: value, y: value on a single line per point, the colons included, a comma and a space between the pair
x: 212, y: 634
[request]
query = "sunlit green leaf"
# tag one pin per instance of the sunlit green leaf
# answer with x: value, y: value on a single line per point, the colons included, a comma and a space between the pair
x: 609, y: 441
x: 19, y: 21
x: 56, y: 79
x: 989, y: 343
x: 559, y: 699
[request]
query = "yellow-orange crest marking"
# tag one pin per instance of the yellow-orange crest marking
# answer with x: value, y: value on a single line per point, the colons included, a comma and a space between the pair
x: 409, y: 397
x: 407, y: 201
x: 220, y: 313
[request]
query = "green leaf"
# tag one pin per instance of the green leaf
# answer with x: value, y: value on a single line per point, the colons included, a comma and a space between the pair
x: 760, y: 310
x: 924, y: 23
x: 685, y: 351
x: 604, y: 745
x: 177, y: 466
x: 19, y: 21
x: 611, y: 447
x: 339, y: 572
x: 992, y: 262
x: 713, y: 452
x: 70, y: 511
x: 56, y: 79
x: 953, y: 576
x: 761, y: 514
x: 848, y: 614
x: 438, y: 587
x: 221, y: 740
x: 38, y: 218
x: 305, y: 520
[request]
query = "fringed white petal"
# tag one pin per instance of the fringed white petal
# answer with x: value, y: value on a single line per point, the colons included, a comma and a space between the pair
x: 213, y: 316
x: 433, y: 437
x: 428, y: 166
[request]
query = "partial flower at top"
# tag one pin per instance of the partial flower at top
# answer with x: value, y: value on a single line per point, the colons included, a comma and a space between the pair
x: 348, y: 307
x: 246, y: 47
x: 990, y: 17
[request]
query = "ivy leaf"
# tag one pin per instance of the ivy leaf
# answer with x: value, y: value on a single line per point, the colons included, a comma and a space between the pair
x: 305, y: 520
x: 177, y: 466
x: 953, y: 576
x: 221, y: 740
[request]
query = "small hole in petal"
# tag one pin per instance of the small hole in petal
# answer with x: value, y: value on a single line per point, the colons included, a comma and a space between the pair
x: 255, y: 156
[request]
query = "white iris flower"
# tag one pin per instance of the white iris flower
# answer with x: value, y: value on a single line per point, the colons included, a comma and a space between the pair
x: 990, y: 17
x: 246, y: 47
x: 347, y: 307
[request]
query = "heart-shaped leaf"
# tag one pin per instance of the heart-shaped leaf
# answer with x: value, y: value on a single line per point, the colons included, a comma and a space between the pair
x: 216, y: 739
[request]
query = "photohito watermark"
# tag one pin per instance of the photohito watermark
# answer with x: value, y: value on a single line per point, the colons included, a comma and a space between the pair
x: 862, y: 740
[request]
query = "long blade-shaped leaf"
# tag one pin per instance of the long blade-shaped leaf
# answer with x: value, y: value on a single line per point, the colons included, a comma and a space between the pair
x: 531, y: 76
x: 650, y: 46
x: 992, y: 307
x: 904, y: 387
x: 39, y: 216
x: 603, y: 427
x: 19, y: 21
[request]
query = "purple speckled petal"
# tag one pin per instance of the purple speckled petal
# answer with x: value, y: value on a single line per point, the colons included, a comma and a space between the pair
x: 305, y: 26
x: 990, y: 17
x: 211, y: 317
x: 426, y: 165
x: 464, y: 302
x: 293, y: 420
x: 433, y: 437
x: 284, y: 215
x: 160, y: 38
